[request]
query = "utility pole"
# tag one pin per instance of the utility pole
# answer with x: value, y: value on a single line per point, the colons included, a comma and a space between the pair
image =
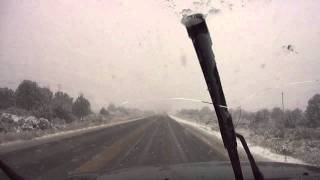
x: 282, y: 102
x: 283, y: 118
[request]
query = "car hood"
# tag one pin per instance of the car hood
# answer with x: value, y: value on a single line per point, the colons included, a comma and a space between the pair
x: 204, y: 171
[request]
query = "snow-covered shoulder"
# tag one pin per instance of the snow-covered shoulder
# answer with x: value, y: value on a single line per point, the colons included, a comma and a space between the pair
x: 256, y: 150
x: 21, y: 144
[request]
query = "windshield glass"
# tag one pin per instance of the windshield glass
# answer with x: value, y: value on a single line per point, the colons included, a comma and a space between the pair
x: 98, y: 86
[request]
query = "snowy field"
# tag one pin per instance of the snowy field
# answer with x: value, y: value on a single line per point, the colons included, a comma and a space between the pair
x: 255, y: 150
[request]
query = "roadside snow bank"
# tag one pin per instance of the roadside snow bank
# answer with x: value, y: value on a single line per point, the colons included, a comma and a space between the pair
x: 257, y: 150
x: 14, y: 123
x: 91, y: 128
x: 68, y: 133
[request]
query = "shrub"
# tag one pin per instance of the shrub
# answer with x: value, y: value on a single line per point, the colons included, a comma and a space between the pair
x: 43, y: 111
x: 62, y: 105
x: 313, y: 111
x: 103, y: 111
x: 27, y: 95
x: 18, y: 111
x: 30, y: 96
x: 81, y: 107
x: 7, y: 98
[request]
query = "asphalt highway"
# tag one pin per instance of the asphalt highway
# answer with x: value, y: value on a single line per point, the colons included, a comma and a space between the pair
x: 152, y: 141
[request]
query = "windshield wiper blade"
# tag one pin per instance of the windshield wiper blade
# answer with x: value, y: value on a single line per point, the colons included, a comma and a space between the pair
x: 199, y: 34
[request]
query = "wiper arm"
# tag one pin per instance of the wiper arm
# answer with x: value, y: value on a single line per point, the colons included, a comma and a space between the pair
x: 199, y: 33
x: 255, y: 169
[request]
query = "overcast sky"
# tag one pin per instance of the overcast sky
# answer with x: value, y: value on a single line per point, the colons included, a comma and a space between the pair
x: 138, y: 51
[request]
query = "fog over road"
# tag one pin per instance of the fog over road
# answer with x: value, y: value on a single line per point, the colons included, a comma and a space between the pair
x: 152, y: 141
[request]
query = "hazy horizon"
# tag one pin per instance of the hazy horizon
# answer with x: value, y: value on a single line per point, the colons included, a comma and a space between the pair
x: 139, y: 52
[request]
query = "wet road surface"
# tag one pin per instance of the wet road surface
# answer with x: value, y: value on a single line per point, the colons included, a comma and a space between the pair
x: 152, y: 141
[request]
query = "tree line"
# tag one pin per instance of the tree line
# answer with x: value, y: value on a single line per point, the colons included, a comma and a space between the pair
x: 42, y: 102
x: 275, y: 117
x: 288, y: 118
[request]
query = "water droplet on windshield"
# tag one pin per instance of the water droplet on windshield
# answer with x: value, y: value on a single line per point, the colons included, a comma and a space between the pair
x: 183, y: 60
x: 213, y: 11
